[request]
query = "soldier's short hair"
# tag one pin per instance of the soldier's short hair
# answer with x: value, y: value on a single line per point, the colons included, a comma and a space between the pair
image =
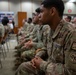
x: 69, y: 17
x: 5, y: 20
x: 58, y: 4
x: 38, y: 10
x: 29, y: 20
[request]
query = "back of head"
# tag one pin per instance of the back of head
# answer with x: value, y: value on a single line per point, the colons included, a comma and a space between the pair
x: 38, y: 10
x: 5, y: 20
x: 58, y: 4
x: 29, y: 20
x: 69, y: 17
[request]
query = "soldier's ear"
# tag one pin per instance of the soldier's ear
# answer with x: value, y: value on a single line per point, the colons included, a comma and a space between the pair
x: 52, y: 11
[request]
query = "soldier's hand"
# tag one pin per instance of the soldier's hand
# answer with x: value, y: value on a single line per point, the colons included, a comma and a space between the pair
x: 23, y: 47
x: 37, y: 61
x: 29, y: 44
x: 32, y: 63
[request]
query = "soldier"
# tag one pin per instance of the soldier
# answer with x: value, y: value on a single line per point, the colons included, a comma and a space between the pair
x: 62, y: 54
x: 38, y: 36
x: 27, y: 28
x: 68, y: 18
x: 29, y: 53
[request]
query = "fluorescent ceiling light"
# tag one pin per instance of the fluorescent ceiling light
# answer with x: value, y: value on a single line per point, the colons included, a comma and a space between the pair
x: 72, y: 1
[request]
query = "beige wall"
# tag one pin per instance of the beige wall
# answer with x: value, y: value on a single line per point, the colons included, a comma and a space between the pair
x: 71, y: 6
x: 28, y: 6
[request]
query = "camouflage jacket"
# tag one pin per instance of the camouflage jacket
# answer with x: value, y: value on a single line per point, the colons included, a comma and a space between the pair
x: 44, y: 37
x: 32, y: 35
x: 62, y: 54
x: 27, y: 28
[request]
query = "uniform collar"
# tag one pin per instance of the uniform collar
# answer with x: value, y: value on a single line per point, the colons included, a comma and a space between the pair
x: 57, y: 30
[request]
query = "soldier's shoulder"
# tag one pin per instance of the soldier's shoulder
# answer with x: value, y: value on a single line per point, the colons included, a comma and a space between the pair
x: 46, y: 27
x: 31, y: 24
x: 71, y: 30
x: 69, y: 26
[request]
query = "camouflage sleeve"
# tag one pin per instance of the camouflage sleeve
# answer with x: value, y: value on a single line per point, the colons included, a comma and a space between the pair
x: 27, y: 39
x: 27, y: 35
x: 42, y: 53
x: 52, y: 68
x: 43, y: 65
x: 34, y: 39
x: 30, y: 35
x: 30, y: 28
x: 38, y: 45
x: 46, y: 33
x: 70, y: 54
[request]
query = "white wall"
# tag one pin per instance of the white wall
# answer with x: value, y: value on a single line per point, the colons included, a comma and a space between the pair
x: 4, y: 5
x: 15, y: 7
x: 28, y: 6
x: 19, y: 5
x: 71, y: 6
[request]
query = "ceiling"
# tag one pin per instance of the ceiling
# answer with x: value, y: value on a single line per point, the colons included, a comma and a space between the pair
x: 69, y: 0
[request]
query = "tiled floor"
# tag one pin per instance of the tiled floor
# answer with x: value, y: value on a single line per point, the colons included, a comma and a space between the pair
x: 8, y: 61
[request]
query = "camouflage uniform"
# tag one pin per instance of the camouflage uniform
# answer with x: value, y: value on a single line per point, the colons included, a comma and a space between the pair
x: 30, y: 35
x: 41, y: 36
x: 62, y: 59
x: 27, y: 30
x: 33, y: 34
x: 29, y: 53
x: 62, y: 55
x: 25, y: 26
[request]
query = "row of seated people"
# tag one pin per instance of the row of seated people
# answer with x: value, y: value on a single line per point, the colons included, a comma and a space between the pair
x: 32, y: 39
x: 48, y: 50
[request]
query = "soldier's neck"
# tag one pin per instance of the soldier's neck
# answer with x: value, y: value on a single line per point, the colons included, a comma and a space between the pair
x: 55, y: 23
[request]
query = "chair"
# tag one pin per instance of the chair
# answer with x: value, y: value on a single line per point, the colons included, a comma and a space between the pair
x: 0, y: 61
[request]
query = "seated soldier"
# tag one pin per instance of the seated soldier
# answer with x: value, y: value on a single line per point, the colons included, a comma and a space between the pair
x: 27, y: 28
x: 32, y: 46
x: 61, y: 58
